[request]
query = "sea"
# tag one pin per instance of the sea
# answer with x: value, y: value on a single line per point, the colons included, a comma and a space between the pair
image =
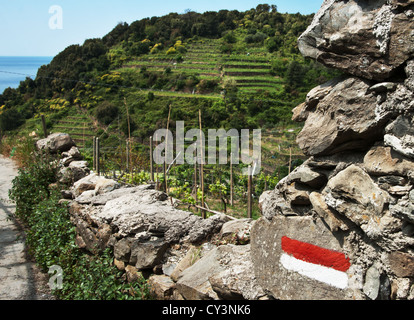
x: 16, y: 69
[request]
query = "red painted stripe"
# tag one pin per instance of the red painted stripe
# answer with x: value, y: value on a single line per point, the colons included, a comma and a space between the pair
x: 314, y: 254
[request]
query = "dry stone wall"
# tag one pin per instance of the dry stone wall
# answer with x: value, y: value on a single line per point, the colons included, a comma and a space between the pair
x: 341, y: 226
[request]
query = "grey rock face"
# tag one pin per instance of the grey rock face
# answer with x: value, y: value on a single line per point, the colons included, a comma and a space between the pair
x: 368, y: 39
x: 342, y: 119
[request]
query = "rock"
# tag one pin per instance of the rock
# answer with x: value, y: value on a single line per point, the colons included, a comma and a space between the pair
x: 372, y: 282
x: 146, y: 255
x: 392, y: 104
x: 402, y: 264
x: 344, y: 119
x: 143, y: 211
x: 104, y: 185
x: 56, y: 142
x: 68, y: 156
x: 236, y: 281
x: 193, y: 283
x: 307, y: 176
x: 64, y: 176
x: 392, y: 180
x: 193, y: 254
x: 301, y: 112
x: 404, y: 210
x: 294, y: 193
x: 161, y: 287
x: 328, y: 215
x: 102, y: 198
x: 402, y: 288
x: 273, y: 203
x: 237, y: 228
x: 383, y: 87
x: 365, y: 39
x: 89, y: 239
x: 74, y: 153
x: 86, y: 195
x: 79, y: 169
x: 411, y: 196
x: 205, y: 228
x: 103, y: 235
x: 122, y: 250
x: 382, y: 160
x: 223, y: 273
x: 399, y: 190
x: 353, y: 194
x: 67, y: 194
x: 397, y: 4
x: 65, y: 162
x: 400, y: 136
x: 282, y: 280
x: 409, y: 70
x: 119, y: 264
x: 132, y: 274
x: 99, y: 184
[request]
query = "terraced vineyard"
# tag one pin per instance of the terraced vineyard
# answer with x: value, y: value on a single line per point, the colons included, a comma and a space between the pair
x: 80, y: 127
x: 250, y: 71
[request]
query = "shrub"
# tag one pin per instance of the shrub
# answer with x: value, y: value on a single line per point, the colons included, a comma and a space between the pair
x: 106, y: 112
x: 32, y: 185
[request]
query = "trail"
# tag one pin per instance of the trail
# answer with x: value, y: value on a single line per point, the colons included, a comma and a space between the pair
x: 19, y: 277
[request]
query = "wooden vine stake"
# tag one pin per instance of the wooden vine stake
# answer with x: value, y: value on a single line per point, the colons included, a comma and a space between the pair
x: 249, y: 193
x: 151, y: 160
x: 166, y: 148
x: 98, y: 172
x: 44, y: 125
x: 128, y: 146
x: 231, y: 180
x: 94, y: 153
x: 203, y: 212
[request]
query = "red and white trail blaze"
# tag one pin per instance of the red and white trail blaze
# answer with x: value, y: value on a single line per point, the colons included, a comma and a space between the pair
x: 318, y: 263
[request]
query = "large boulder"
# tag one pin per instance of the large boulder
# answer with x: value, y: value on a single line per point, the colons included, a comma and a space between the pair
x: 56, y: 142
x: 151, y: 211
x: 370, y: 39
x: 342, y: 118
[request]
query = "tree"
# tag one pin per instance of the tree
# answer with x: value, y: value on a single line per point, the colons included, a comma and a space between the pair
x: 10, y: 119
x: 295, y: 74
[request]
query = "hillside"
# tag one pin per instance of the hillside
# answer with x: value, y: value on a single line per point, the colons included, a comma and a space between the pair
x: 242, y: 69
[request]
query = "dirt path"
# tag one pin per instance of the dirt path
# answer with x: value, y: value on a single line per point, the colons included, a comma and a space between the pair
x: 20, y: 279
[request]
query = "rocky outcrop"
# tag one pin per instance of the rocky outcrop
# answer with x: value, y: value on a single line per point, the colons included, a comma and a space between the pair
x: 341, y: 226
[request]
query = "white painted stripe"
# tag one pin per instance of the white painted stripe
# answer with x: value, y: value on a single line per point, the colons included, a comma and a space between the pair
x: 324, y: 274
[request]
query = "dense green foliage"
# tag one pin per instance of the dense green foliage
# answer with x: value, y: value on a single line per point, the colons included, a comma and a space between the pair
x: 51, y: 241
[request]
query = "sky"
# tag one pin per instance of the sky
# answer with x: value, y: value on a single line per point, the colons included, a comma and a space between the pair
x: 46, y: 27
